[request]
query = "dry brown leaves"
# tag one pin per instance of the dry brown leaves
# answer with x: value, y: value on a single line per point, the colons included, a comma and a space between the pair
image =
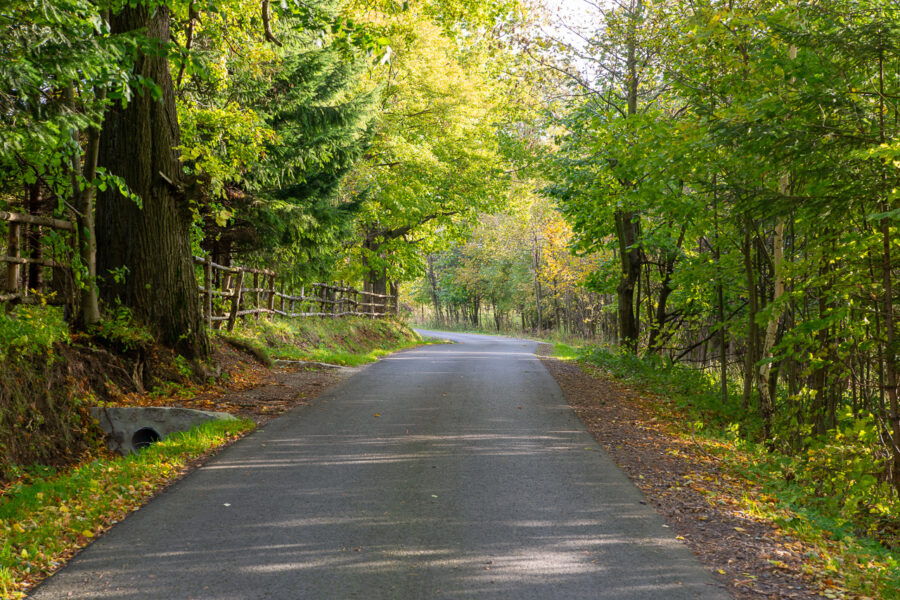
x: 250, y: 391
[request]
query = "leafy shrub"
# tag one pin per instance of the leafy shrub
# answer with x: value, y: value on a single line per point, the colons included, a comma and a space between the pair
x: 31, y: 329
x: 120, y: 329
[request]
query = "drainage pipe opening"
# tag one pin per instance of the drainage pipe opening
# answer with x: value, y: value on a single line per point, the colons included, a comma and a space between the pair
x: 143, y: 437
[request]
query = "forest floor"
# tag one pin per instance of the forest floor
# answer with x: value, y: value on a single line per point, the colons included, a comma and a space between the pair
x: 699, y: 497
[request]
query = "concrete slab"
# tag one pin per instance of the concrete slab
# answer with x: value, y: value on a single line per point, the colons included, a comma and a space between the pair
x: 131, y: 428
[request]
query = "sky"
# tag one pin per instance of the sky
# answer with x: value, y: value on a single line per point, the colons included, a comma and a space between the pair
x: 568, y: 18
x: 569, y: 15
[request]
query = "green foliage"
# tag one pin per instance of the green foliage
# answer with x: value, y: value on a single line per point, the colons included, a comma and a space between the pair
x: 689, y: 389
x: 840, y: 473
x: 832, y: 495
x: 755, y: 147
x: 434, y: 163
x: 31, y: 330
x: 120, y: 330
x: 222, y: 145
x: 64, y: 42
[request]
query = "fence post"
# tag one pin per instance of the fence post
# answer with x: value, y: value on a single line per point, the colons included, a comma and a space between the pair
x: 256, y: 295
x: 271, y: 298
x: 236, y: 300
x: 14, y: 250
x: 208, y: 282
x: 244, y: 303
x: 226, y: 285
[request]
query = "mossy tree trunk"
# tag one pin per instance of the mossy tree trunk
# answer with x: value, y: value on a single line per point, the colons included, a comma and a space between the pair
x: 151, y: 241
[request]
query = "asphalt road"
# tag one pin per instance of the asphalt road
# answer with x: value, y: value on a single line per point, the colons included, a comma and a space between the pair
x: 448, y: 471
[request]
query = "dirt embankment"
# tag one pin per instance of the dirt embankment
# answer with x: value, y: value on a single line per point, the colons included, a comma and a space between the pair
x: 44, y: 399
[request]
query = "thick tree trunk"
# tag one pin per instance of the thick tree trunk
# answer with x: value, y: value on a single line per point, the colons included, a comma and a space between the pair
x: 151, y: 242
x: 377, y: 283
x: 395, y: 301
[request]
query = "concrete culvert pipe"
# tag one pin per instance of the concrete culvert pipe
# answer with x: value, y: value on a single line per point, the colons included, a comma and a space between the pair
x: 143, y: 437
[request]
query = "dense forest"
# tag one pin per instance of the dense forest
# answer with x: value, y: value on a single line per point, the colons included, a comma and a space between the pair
x: 725, y: 175
x: 710, y: 183
x: 330, y: 140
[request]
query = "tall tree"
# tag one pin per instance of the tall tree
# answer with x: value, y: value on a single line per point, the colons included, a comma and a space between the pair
x: 144, y: 258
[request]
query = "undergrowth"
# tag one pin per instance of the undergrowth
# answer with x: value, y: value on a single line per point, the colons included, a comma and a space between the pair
x: 828, y: 492
x: 45, y: 515
x: 32, y: 329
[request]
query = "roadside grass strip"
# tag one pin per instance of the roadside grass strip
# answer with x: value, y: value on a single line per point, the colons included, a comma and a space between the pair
x: 46, y: 520
x: 767, y: 485
x: 346, y: 359
x: 349, y: 341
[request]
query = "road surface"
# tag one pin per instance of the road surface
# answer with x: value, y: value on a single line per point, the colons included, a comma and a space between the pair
x: 447, y: 471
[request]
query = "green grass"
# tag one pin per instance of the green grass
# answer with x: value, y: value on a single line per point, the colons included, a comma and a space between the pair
x: 565, y: 352
x: 335, y: 357
x: 822, y: 517
x: 694, y: 391
x: 350, y: 341
x: 45, y: 516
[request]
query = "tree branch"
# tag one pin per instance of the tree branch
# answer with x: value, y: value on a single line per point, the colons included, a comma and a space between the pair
x: 267, y: 25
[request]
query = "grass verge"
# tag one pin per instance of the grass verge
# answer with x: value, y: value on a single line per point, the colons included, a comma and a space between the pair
x: 47, y: 517
x: 348, y: 341
x: 773, y: 486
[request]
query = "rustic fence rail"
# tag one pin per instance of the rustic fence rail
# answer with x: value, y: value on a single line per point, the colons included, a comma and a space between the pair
x: 240, y: 298
x: 228, y: 293
x: 19, y: 283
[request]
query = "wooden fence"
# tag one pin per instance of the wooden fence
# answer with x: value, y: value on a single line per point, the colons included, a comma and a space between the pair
x: 245, y: 292
x: 29, y: 228
x: 228, y: 293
